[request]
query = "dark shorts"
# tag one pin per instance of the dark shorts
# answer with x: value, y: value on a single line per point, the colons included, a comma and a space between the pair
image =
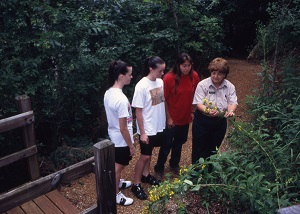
x: 122, y: 155
x: 154, y: 141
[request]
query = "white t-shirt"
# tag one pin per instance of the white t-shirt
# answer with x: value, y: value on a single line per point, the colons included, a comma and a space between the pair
x: 117, y: 106
x: 149, y: 95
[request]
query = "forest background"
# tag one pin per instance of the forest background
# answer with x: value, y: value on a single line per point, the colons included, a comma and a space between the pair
x: 57, y: 53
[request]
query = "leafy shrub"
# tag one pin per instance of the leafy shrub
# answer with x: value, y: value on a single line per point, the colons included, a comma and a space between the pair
x: 228, y: 179
x: 58, y: 52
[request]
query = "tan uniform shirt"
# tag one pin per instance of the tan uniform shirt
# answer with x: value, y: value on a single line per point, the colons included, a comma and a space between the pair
x: 220, y: 97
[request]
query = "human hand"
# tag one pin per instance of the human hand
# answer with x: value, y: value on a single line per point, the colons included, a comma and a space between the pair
x: 144, y: 138
x: 170, y: 123
x: 192, y: 116
x: 229, y: 113
x: 213, y: 113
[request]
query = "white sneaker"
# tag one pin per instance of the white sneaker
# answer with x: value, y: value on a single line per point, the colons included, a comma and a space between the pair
x: 123, y: 200
x: 124, y: 184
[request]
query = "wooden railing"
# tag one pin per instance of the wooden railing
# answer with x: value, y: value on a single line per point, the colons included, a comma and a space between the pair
x: 102, y: 164
x: 24, y: 120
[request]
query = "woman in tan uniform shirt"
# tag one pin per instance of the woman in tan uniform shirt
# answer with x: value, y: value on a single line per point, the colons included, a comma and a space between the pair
x: 215, y: 98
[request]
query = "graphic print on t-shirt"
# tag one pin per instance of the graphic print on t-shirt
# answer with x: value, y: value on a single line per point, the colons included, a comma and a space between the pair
x: 157, y: 96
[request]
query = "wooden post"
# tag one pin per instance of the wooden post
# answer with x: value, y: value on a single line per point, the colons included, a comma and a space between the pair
x: 24, y: 105
x: 104, y: 156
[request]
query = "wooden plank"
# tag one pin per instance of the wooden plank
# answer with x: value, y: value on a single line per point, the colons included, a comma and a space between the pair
x: 64, y: 204
x: 16, y: 121
x: 18, y: 155
x: 31, y: 207
x: 46, y: 205
x: 34, y: 189
x: 16, y: 210
x: 77, y: 170
x: 21, y: 195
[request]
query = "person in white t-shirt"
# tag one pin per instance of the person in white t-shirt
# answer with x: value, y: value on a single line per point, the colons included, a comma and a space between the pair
x: 119, y: 117
x: 148, y: 101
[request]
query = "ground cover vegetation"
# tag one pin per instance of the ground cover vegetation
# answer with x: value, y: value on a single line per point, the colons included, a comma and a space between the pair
x: 57, y: 53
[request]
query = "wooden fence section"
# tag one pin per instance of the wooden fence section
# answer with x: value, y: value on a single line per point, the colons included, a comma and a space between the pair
x: 24, y: 120
x: 50, y: 203
x: 43, y: 185
x: 102, y: 164
x: 35, y: 194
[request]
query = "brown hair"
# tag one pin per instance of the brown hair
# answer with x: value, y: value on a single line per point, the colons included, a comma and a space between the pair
x: 182, y: 58
x: 116, y: 67
x: 151, y: 62
x: 219, y: 64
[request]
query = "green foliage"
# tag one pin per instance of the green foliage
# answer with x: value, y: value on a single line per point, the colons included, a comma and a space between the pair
x: 43, y: 60
x: 57, y: 53
x: 159, y: 197
x: 262, y: 174
x: 65, y: 156
x: 229, y: 179
x: 285, y: 22
x: 234, y: 181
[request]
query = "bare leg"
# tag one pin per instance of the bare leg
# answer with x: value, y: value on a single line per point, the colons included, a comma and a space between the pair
x: 140, y: 166
x: 118, y: 170
x: 146, y: 170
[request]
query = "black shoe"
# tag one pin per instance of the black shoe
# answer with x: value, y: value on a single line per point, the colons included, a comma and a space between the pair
x: 150, y: 180
x: 138, y: 192
x: 175, y: 170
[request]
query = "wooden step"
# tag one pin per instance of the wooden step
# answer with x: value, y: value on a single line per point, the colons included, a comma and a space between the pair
x: 51, y: 203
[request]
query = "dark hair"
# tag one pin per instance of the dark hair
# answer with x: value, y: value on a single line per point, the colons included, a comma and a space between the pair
x: 151, y: 62
x: 219, y: 64
x: 182, y: 58
x: 115, y: 69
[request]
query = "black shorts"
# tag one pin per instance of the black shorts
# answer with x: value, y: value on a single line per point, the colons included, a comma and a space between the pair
x: 122, y: 155
x: 154, y: 141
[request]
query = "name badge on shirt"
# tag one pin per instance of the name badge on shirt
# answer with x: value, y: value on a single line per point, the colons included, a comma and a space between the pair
x: 211, y: 92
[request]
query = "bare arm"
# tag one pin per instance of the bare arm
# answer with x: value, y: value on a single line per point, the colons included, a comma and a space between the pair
x: 140, y: 121
x: 126, y: 135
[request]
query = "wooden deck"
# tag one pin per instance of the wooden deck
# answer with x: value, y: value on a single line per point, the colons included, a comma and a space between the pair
x: 50, y: 203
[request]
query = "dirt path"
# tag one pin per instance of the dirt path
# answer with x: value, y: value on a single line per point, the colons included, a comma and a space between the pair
x: 82, y: 192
